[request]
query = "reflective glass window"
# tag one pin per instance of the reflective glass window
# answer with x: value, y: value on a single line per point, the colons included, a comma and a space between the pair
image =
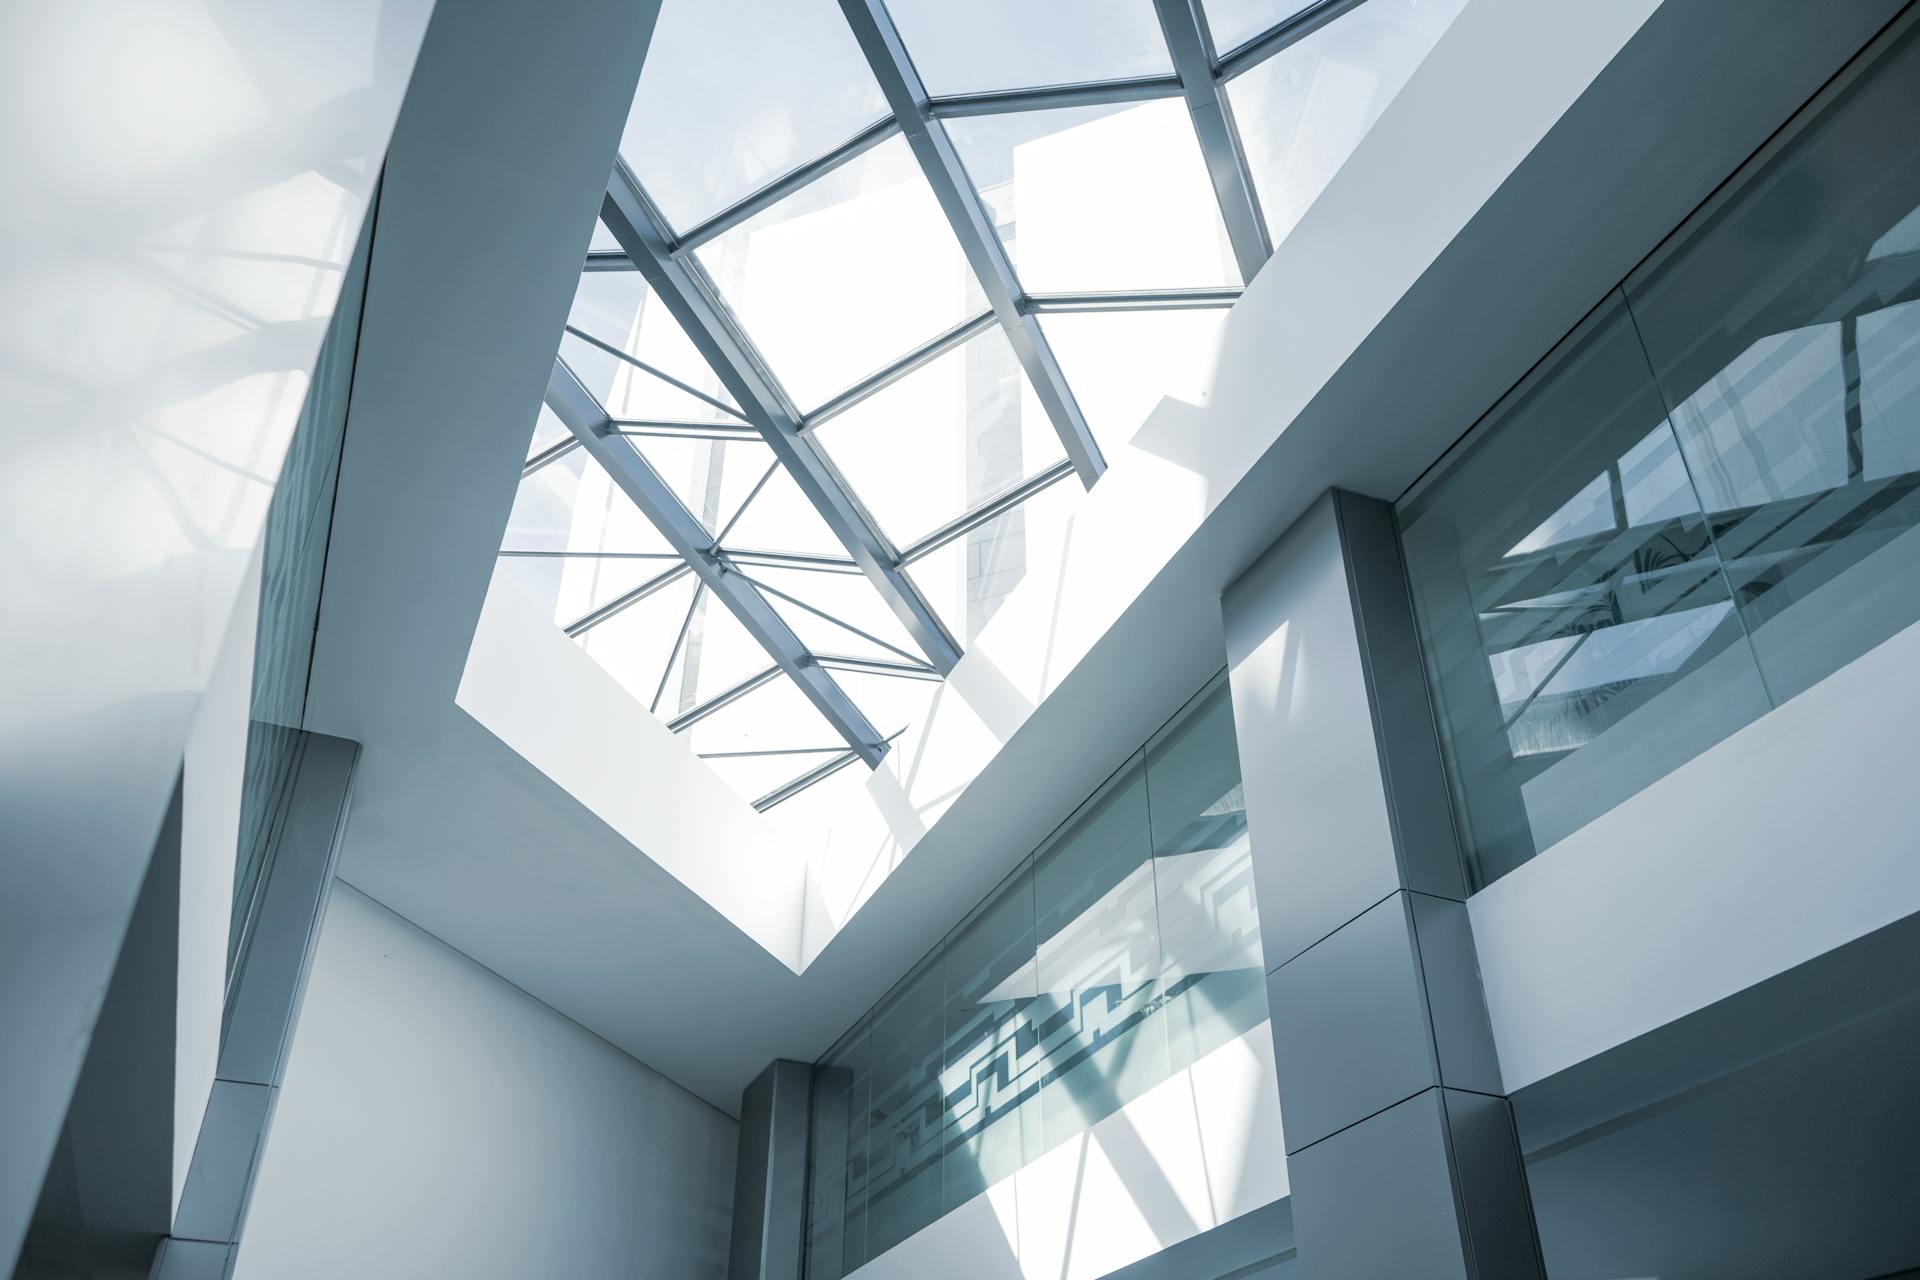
x: 735, y: 92
x: 1703, y: 503
x: 1100, y: 197
x: 904, y: 1169
x: 1019, y: 44
x: 1786, y: 335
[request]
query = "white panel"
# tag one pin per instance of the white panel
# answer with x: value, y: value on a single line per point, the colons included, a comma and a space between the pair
x: 437, y: 1121
x: 1777, y: 844
x: 542, y: 695
x: 185, y: 181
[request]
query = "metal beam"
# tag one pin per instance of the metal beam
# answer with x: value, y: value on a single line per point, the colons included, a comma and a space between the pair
x: 967, y: 213
x: 694, y: 715
x: 552, y: 453
x: 675, y: 429
x: 1093, y: 93
x: 1134, y: 300
x: 805, y: 780
x: 784, y: 185
x: 575, y: 406
x: 876, y: 666
x: 1193, y: 58
x: 996, y: 505
x: 683, y: 287
x: 925, y: 353
x: 626, y: 600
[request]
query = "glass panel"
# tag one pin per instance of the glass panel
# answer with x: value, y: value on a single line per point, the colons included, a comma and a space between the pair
x: 774, y: 717
x: 848, y: 597
x: 547, y: 430
x: 1018, y: 44
x: 844, y: 275
x: 567, y: 587
x: 991, y: 1077
x: 751, y: 91
x: 633, y: 645
x: 904, y: 1166
x: 710, y: 477
x: 1302, y: 111
x: 1098, y: 958
x: 1786, y: 337
x: 1579, y: 634
x: 572, y: 504
x: 943, y: 439
x: 719, y: 653
x: 1234, y: 22
x: 781, y: 519
x: 1122, y: 364
x: 1103, y: 197
x: 755, y: 777
x: 1211, y: 977
x: 967, y: 580
x: 837, y: 1159
x: 616, y: 307
x: 891, y: 703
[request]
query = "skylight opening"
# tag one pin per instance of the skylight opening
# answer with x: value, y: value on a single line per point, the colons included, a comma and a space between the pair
x: 853, y: 333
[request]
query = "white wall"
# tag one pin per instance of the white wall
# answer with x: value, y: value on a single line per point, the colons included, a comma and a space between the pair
x: 1792, y: 836
x: 185, y: 179
x: 436, y: 1121
x: 1198, y: 1149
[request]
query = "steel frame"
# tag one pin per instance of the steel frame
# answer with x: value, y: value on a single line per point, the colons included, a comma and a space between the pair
x: 575, y: 406
x: 683, y: 287
x: 972, y: 225
x: 667, y: 260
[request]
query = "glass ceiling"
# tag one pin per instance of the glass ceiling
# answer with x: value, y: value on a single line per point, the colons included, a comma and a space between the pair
x: 873, y: 285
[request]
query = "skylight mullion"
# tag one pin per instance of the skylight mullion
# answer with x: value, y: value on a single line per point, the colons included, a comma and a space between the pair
x: 694, y: 715
x: 586, y: 622
x: 986, y: 511
x: 575, y: 406
x: 783, y: 186
x: 678, y: 282
x: 1193, y: 61
x: 1133, y: 300
x: 1294, y: 29
x: 972, y: 224
x: 1092, y: 93
x: 885, y: 377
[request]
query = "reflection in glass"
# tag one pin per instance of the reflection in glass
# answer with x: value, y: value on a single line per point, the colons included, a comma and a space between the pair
x: 1578, y: 629
x: 1100, y: 197
x: 1019, y: 44
x: 903, y: 1149
x: 1603, y: 590
x: 1784, y: 331
x: 848, y: 273
x: 943, y: 439
x: 1302, y: 111
x: 751, y: 90
x: 1125, y: 949
x: 990, y: 1105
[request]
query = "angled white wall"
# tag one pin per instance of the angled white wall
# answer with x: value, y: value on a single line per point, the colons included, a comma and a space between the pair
x: 437, y: 1121
x: 186, y: 179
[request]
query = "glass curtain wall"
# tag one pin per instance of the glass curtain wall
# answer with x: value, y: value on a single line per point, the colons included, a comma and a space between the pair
x: 1124, y: 949
x: 1704, y: 501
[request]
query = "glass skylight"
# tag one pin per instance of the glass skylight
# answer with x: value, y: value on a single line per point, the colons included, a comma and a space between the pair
x: 834, y: 383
